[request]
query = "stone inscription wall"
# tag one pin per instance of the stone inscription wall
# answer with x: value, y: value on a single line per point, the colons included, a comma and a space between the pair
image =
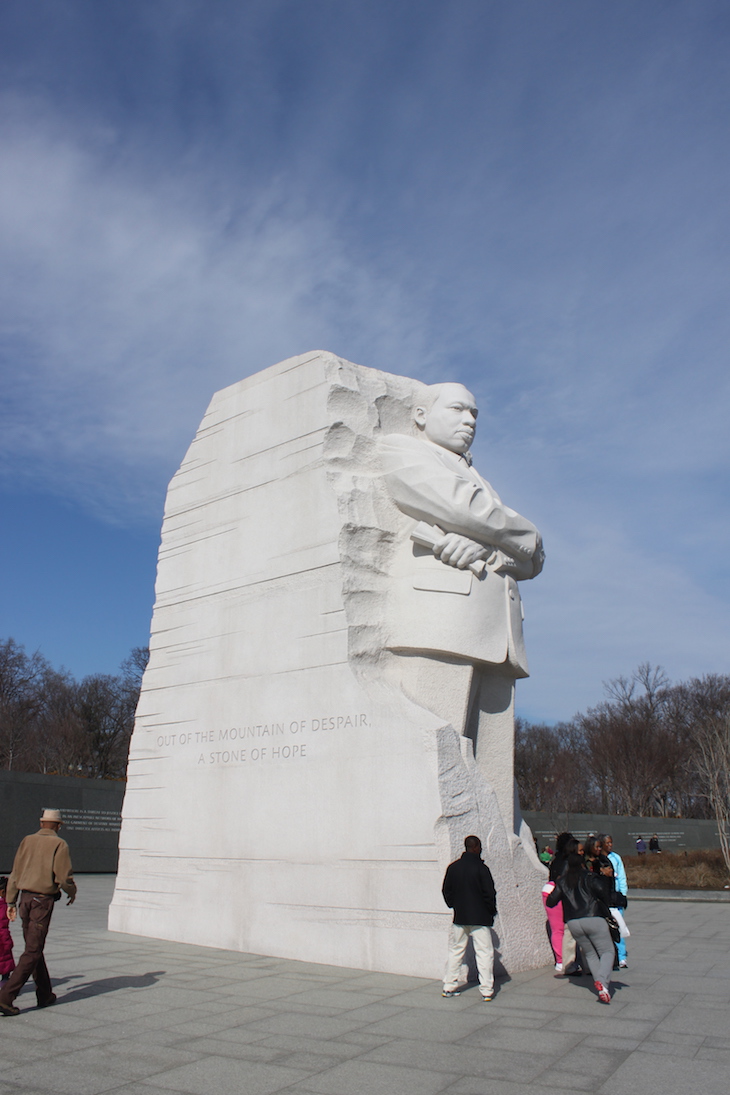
x: 92, y: 821
x: 274, y: 739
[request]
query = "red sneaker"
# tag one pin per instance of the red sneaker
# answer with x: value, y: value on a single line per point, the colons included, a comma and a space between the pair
x: 603, y: 994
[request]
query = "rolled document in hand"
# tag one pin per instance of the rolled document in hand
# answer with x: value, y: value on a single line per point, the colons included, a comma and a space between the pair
x: 429, y: 535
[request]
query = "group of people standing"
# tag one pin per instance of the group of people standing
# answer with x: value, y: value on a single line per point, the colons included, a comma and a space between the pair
x: 654, y: 847
x: 584, y: 898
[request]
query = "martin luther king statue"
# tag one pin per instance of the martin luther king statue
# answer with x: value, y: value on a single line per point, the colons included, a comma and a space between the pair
x: 454, y: 615
x: 335, y: 641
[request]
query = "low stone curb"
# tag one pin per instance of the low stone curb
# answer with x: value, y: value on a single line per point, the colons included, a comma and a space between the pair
x: 679, y: 895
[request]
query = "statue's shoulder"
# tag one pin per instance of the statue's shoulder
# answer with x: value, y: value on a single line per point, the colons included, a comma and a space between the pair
x: 400, y: 441
x: 402, y: 450
x: 408, y: 444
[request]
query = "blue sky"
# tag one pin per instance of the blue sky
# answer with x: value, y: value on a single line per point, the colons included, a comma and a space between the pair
x: 529, y: 197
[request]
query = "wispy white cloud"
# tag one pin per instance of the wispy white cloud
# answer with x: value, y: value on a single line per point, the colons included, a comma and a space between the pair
x: 129, y: 302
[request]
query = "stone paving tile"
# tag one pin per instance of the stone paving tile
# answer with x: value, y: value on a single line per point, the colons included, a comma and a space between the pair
x: 464, y: 1059
x: 22, y: 1030
x: 225, y: 1076
x: 52, y: 1020
x: 527, y: 1020
x: 389, y: 983
x: 473, y: 1085
x: 692, y: 1001
x: 338, y: 1049
x: 300, y: 1007
x: 446, y: 1026
x: 369, y: 987
x: 573, y: 1001
x: 132, y: 1021
x: 601, y: 1022
x: 309, y: 1060
x: 593, y: 1059
x: 691, y: 1019
x: 271, y: 988
x: 718, y: 1043
x: 72, y: 1080
x: 27, y: 1090
x: 503, y: 1036
x: 430, y: 997
x: 676, y: 1038
x: 566, y: 1081
x: 620, y: 1043
x: 701, y: 986
x: 315, y: 1026
x: 362, y: 1038
x: 373, y: 1013
x: 633, y: 1010
x: 133, y: 1088
x: 129, y: 1061
x: 661, y: 1049
x: 161, y: 1038
x: 651, y: 1075
x: 370, y: 1078
x: 241, y: 1048
x: 711, y: 1053
x: 329, y: 998
x: 39, y: 1049
x: 201, y: 1027
x: 240, y: 1032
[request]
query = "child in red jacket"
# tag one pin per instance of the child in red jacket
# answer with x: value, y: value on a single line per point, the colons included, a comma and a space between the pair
x: 7, y: 963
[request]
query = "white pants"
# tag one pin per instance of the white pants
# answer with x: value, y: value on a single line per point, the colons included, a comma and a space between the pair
x: 483, y: 950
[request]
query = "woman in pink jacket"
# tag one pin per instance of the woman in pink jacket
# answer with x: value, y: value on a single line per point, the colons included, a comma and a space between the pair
x: 7, y: 962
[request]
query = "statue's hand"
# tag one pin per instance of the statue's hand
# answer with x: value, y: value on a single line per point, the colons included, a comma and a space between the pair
x: 459, y: 551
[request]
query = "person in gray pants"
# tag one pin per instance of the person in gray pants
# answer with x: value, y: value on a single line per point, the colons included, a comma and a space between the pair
x: 584, y: 896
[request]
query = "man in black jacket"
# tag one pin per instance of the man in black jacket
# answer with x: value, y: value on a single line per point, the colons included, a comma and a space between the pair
x: 468, y: 889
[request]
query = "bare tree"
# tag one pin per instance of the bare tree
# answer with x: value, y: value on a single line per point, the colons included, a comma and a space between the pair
x: 550, y: 768
x: 704, y: 704
x: 20, y: 679
x: 635, y: 753
x: 632, y: 749
x: 57, y: 740
x: 51, y: 723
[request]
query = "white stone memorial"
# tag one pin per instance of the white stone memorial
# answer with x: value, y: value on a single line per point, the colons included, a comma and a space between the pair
x: 328, y: 707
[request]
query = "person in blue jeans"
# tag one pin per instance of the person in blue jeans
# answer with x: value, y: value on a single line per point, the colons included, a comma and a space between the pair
x: 620, y: 883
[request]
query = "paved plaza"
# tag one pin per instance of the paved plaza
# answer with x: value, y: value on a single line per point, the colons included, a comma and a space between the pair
x: 143, y: 1017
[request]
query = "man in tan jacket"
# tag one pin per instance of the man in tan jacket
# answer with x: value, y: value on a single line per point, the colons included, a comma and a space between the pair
x: 42, y: 868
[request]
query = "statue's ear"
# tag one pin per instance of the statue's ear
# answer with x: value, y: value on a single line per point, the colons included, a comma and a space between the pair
x: 419, y: 417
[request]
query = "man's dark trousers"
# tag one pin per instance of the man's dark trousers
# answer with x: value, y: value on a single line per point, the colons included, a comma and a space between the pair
x: 35, y: 911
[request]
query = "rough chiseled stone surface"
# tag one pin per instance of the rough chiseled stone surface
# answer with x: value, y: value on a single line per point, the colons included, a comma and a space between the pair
x: 284, y: 795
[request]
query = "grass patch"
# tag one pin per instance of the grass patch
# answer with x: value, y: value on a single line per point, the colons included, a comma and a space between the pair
x: 677, y: 871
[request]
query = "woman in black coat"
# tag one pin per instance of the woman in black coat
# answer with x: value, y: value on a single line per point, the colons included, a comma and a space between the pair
x: 584, y: 896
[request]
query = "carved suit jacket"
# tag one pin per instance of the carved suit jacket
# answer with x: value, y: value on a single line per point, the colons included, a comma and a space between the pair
x: 434, y: 607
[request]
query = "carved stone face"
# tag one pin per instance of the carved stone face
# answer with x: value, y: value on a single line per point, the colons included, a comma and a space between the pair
x: 452, y: 419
